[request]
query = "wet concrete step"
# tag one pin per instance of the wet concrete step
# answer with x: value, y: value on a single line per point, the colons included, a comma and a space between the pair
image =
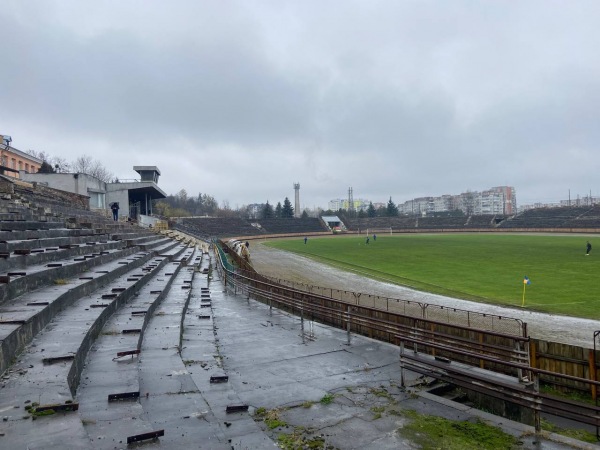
x: 43, y: 234
x: 50, y: 367
x: 25, y: 258
x: 103, y: 375
x: 34, y: 310
x: 30, y: 225
x: 46, y: 274
x: 14, y: 244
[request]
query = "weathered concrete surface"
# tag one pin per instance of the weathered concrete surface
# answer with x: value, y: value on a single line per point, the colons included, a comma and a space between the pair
x: 109, y: 423
x: 32, y: 379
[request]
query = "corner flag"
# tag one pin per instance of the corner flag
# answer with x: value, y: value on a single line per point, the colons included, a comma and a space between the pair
x: 525, y: 283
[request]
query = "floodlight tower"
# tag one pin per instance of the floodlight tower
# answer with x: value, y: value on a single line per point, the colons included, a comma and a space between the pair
x: 351, y: 202
x: 297, y: 200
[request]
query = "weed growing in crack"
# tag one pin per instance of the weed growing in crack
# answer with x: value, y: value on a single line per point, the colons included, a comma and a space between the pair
x: 437, y: 432
x: 381, y: 393
x: 327, y: 399
x: 377, y: 411
x: 270, y: 417
x: 297, y: 440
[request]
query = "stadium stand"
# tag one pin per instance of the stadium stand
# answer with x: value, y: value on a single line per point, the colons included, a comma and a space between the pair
x: 210, y: 227
x: 422, y: 223
x: 589, y: 219
x: 434, y: 223
x: 484, y: 221
x: 547, y: 218
x: 278, y: 226
x: 380, y: 223
x: 83, y: 297
x: 63, y: 271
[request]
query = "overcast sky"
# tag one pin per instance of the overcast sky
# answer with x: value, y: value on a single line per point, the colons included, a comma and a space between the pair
x: 240, y: 99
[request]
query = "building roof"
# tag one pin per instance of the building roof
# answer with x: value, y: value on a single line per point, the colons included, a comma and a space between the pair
x: 139, y: 169
x: 20, y: 153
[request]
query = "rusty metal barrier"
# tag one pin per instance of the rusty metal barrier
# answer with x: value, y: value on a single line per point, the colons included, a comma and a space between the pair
x: 456, y: 316
x: 525, y: 393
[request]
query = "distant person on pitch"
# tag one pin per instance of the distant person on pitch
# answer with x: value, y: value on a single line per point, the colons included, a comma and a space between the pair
x: 588, y: 249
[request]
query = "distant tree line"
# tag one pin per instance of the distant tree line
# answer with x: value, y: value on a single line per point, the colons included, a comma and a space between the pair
x: 83, y: 164
x: 279, y: 212
x: 182, y: 205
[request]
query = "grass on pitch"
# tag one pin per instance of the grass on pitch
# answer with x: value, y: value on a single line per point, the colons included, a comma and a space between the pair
x: 485, y: 268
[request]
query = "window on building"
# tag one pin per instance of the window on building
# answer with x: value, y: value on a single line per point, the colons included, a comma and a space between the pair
x: 14, y: 163
x: 20, y: 165
x: 97, y: 199
x: 26, y: 167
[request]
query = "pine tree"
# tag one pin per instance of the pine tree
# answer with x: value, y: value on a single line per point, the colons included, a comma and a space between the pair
x: 46, y: 168
x: 278, y: 209
x: 267, y: 212
x: 287, y: 211
x: 371, y: 211
x: 392, y: 209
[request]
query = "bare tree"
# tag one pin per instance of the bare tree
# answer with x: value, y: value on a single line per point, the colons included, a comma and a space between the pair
x: 88, y: 165
x: 59, y: 165
x: 83, y: 164
x: 469, y: 200
x: 44, y: 156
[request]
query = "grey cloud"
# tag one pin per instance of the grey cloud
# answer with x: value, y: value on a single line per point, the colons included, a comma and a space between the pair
x: 396, y: 99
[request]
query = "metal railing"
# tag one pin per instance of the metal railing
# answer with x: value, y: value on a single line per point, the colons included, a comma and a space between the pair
x: 450, y: 315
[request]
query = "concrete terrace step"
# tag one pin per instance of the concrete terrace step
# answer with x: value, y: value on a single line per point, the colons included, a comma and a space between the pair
x: 32, y: 311
x: 169, y: 381
x: 24, y: 311
x: 8, y: 235
x: 42, y: 275
x: 31, y: 225
x: 36, y: 276
x: 132, y: 234
x: 160, y: 245
x: 169, y: 250
x: 14, y: 216
x: 52, y: 255
x: 24, y: 212
x: 201, y: 349
x: 103, y: 376
x: 48, y: 371
x: 42, y: 243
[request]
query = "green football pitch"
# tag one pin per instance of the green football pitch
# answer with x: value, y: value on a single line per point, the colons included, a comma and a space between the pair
x: 480, y: 267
